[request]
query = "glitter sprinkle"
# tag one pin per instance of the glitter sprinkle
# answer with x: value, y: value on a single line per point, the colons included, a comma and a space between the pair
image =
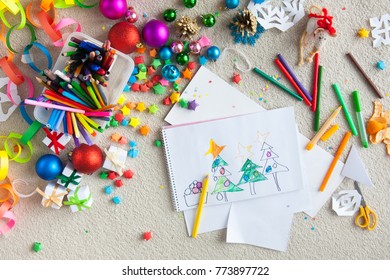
x: 86, y: 231
x: 312, y: 228
x: 161, y: 187
x: 145, y: 15
x: 103, y: 27
x: 305, y: 218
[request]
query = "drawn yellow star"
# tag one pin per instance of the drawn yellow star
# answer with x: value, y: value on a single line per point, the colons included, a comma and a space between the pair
x: 214, y: 149
x: 363, y: 33
x: 244, y: 152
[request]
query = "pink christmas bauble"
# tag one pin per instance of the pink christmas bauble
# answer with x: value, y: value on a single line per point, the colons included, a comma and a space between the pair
x: 113, y: 9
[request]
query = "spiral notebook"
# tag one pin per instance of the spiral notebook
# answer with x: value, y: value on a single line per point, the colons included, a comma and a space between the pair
x: 246, y: 156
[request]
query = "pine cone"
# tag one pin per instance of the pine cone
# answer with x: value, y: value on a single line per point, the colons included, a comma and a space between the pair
x: 187, y: 27
x: 245, y: 21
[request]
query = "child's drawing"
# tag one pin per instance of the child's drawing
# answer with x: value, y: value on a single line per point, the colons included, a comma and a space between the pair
x: 271, y: 166
x: 244, y: 152
x: 251, y: 175
x: 192, y: 193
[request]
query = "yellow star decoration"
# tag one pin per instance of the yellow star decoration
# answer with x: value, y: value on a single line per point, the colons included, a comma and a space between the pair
x: 244, y: 152
x: 175, y: 96
x: 134, y: 122
x: 363, y: 33
x: 186, y: 74
x: 214, y: 149
x: 140, y: 107
x: 125, y: 111
x: 121, y: 99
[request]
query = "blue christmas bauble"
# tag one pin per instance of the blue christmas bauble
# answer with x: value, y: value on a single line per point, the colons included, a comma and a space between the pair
x: 213, y: 53
x: 232, y: 4
x: 170, y: 72
x: 48, y: 167
x: 165, y: 53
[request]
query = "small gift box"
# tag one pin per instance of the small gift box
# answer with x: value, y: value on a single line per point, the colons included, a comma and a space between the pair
x: 53, y: 195
x: 80, y: 199
x: 115, y: 159
x: 69, y: 178
x: 56, y: 141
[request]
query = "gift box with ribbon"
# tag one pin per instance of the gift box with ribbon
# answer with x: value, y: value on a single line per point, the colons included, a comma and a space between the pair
x: 80, y: 199
x: 115, y: 159
x: 53, y: 195
x: 69, y: 178
x: 56, y: 141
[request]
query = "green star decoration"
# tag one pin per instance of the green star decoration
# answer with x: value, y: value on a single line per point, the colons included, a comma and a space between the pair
x: 153, y: 109
x: 167, y: 62
x: 103, y: 175
x: 183, y: 103
x: 141, y: 76
x: 156, y: 63
x: 158, y: 89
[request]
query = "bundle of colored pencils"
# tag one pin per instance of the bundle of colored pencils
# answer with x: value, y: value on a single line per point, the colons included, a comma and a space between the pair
x: 76, y: 94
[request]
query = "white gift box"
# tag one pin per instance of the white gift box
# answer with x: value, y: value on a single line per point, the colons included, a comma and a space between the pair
x: 115, y: 159
x: 59, y: 144
x: 80, y: 199
x: 70, y: 178
x: 53, y: 196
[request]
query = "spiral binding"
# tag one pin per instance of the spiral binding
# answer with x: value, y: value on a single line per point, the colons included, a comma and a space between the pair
x: 170, y: 172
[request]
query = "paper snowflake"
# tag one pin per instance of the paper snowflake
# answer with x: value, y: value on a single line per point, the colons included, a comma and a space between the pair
x: 281, y: 18
x: 381, y: 31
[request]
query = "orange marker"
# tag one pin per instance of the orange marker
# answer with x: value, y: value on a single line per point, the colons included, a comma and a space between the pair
x: 339, y: 152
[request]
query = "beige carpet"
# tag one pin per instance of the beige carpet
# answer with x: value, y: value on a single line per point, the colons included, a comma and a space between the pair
x: 109, y: 231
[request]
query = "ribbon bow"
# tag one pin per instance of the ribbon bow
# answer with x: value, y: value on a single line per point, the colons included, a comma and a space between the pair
x: 113, y: 157
x: 75, y: 200
x: 53, y: 198
x: 69, y: 180
x: 54, y: 137
x: 325, y: 21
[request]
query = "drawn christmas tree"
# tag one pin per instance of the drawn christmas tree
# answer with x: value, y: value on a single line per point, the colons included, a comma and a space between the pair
x: 271, y: 166
x: 251, y: 175
x: 222, y: 184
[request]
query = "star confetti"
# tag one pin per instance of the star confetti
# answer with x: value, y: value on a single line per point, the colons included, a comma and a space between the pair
x: 141, y: 76
x: 156, y: 63
x: 153, y: 109
x: 236, y: 78
x: 159, y: 89
x: 192, y: 105
x: 140, y: 107
x: 363, y: 33
x: 187, y: 74
x: 125, y: 111
x: 134, y: 122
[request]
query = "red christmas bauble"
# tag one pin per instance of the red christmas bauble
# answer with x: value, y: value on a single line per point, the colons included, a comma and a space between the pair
x: 124, y: 37
x: 87, y: 159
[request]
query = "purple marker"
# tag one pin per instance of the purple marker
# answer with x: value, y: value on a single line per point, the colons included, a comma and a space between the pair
x: 85, y: 134
x: 294, y: 77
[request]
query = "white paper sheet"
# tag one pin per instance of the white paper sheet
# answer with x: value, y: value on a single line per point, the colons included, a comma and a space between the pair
x: 346, y: 203
x: 271, y: 231
x: 273, y: 168
x: 354, y: 168
x: 216, y: 99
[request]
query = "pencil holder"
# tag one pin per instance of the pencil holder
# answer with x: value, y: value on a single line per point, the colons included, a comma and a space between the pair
x: 119, y: 75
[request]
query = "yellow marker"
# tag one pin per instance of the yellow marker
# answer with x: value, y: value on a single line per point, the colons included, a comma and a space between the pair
x: 85, y: 124
x: 75, y: 127
x: 200, y: 206
x: 330, y: 132
x: 91, y: 122
x: 323, y: 128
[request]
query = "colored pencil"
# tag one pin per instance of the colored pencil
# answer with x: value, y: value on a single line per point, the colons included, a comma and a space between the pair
x: 93, y: 94
x: 364, y: 74
x: 345, y: 110
x: 276, y: 83
x: 337, y: 156
x: 64, y: 100
x: 85, y: 125
x: 200, y: 206
x: 52, y: 106
x: 329, y: 132
x: 304, y: 90
x: 315, y: 83
x: 97, y: 92
x: 318, y: 109
x: 73, y: 97
x: 362, y: 128
x: 288, y: 76
x: 322, y: 130
x: 84, y: 134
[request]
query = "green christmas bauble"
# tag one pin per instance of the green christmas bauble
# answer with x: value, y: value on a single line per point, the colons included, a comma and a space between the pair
x: 208, y: 20
x: 182, y: 58
x: 169, y: 15
x: 189, y: 3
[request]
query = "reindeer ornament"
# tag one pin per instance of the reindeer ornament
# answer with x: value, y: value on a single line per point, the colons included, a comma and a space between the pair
x: 318, y: 29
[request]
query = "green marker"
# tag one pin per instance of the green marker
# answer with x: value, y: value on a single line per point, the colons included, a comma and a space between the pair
x: 272, y: 80
x: 317, y: 114
x: 362, y: 129
x: 345, y: 109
